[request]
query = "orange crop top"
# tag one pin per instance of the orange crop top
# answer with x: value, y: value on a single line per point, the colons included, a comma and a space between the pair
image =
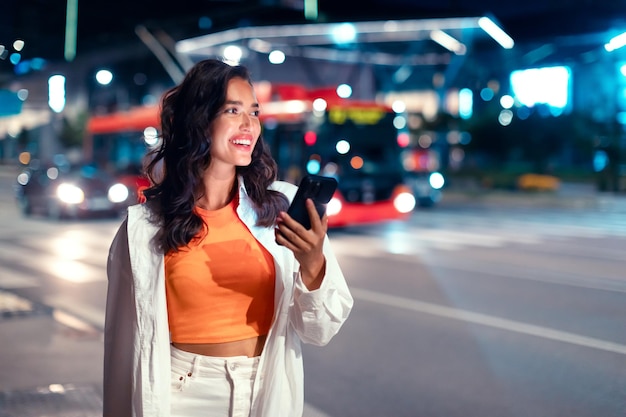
x: 221, y: 287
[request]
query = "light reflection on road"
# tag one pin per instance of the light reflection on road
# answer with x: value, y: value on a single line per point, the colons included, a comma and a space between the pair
x: 69, y: 253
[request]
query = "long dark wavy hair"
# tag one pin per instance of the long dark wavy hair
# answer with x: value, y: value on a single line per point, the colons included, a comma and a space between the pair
x: 175, y: 168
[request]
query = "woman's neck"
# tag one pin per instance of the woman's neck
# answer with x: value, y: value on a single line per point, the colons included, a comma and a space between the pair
x: 218, y: 192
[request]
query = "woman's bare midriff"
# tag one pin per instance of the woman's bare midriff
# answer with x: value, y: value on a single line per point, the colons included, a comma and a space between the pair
x: 248, y: 347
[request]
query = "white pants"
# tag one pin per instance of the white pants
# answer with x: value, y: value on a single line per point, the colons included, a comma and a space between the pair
x: 207, y: 386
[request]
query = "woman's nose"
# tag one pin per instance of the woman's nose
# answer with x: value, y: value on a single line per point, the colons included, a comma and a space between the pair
x: 246, y: 121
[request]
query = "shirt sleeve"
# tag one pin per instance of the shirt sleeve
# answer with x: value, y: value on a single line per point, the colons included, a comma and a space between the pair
x: 118, y: 329
x: 319, y: 314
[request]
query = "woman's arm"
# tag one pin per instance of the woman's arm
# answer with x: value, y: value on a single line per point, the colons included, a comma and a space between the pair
x: 322, y: 301
x: 321, y: 298
x: 317, y: 315
x: 306, y: 244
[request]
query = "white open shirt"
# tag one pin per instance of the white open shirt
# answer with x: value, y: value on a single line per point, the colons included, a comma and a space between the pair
x: 137, y: 341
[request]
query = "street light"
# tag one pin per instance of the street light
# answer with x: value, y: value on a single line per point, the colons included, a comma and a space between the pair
x: 104, y: 77
x: 56, y: 93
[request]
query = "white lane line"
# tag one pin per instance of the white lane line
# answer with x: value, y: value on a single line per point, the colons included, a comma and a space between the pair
x: 12, y: 279
x: 571, y: 278
x: 74, y: 322
x: 91, y: 315
x: 458, y: 237
x: 310, y: 411
x: 487, y: 320
x: 65, y: 268
x: 377, y: 249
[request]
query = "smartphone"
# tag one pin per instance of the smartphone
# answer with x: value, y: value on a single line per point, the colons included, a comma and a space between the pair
x: 318, y: 188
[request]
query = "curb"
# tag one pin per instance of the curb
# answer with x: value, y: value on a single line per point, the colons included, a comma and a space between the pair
x: 583, y: 200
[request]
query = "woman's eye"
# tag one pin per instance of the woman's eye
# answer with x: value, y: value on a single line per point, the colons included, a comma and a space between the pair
x: 255, y: 113
x: 231, y: 110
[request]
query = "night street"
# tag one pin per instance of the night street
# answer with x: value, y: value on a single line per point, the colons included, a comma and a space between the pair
x: 470, y: 157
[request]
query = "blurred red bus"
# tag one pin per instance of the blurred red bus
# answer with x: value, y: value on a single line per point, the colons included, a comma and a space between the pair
x: 308, y: 131
x: 317, y: 132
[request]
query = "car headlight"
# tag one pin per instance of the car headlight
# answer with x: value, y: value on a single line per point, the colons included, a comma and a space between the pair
x: 404, y: 202
x: 333, y: 207
x: 23, y: 178
x: 118, y: 193
x: 436, y: 180
x: 70, y: 193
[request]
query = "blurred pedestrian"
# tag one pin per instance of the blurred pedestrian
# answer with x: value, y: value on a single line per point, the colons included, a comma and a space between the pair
x: 212, y: 286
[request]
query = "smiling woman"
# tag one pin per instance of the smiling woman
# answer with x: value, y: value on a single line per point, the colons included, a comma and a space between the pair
x: 212, y: 285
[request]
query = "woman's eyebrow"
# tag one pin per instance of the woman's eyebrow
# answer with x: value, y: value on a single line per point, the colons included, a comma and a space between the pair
x: 239, y: 103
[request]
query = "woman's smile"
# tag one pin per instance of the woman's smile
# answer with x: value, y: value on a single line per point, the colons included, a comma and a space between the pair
x: 243, y: 143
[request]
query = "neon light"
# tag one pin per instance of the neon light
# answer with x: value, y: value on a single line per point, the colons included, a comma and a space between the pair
x: 448, y: 42
x: 71, y: 25
x: 356, y: 162
x: 310, y: 9
x: 466, y: 103
x: 548, y: 85
x: 360, y: 116
x: 496, y: 32
x: 403, y: 140
x: 616, y: 42
x: 56, y: 93
x: 310, y: 138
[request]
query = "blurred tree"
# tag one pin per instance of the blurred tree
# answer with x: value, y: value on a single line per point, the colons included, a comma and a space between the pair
x: 489, y: 137
x: 73, y: 131
x: 23, y: 139
x: 536, y: 141
x: 539, y: 143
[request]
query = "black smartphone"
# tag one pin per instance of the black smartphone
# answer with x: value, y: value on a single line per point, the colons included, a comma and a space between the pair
x: 319, y: 189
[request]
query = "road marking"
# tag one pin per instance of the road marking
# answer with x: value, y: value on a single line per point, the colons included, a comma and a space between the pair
x: 419, y: 240
x: 91, y: 315
x: 12, y: 279
x: 66, y: 268
x: 572, y: 279
x: 487, y: 320
x: 310, y: 411
x: 74, y: 322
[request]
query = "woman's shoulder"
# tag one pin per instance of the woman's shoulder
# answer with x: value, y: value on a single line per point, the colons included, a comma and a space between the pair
x: 284, y: 187
x: 141, y: 216
x: 141, y: 210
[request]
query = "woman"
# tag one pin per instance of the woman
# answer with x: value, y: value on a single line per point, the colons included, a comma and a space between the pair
x: 212, y: 286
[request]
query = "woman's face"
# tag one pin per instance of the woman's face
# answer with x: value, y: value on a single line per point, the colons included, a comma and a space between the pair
x: 236, y: 129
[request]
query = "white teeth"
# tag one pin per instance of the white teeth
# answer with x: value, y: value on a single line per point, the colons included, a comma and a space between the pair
x: 246, y: 142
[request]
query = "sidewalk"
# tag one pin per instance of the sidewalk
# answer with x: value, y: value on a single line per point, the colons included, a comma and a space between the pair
x: 47, y: 368
x: 569, y: 196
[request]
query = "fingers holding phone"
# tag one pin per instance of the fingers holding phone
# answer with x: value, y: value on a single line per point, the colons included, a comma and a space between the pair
x: 306, y: 244
x: 307, y: 212
x: 295, y: 236
x: 303, y: 227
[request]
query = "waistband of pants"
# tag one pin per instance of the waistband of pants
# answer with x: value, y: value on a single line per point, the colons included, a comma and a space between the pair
x: 201, y: 365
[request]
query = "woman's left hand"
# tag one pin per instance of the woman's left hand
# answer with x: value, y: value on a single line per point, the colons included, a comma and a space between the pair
x: 306, y: 245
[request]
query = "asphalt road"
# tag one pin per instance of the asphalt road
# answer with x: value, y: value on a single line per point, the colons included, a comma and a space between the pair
x: 480, y: 312
x: 485, y: 310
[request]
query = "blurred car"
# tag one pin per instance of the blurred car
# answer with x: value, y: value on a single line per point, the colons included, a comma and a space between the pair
x: 426, y: 187
x: 70, y: 193
x: 421, y: 175
x: 538, y: 182
x: 135, y: 181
